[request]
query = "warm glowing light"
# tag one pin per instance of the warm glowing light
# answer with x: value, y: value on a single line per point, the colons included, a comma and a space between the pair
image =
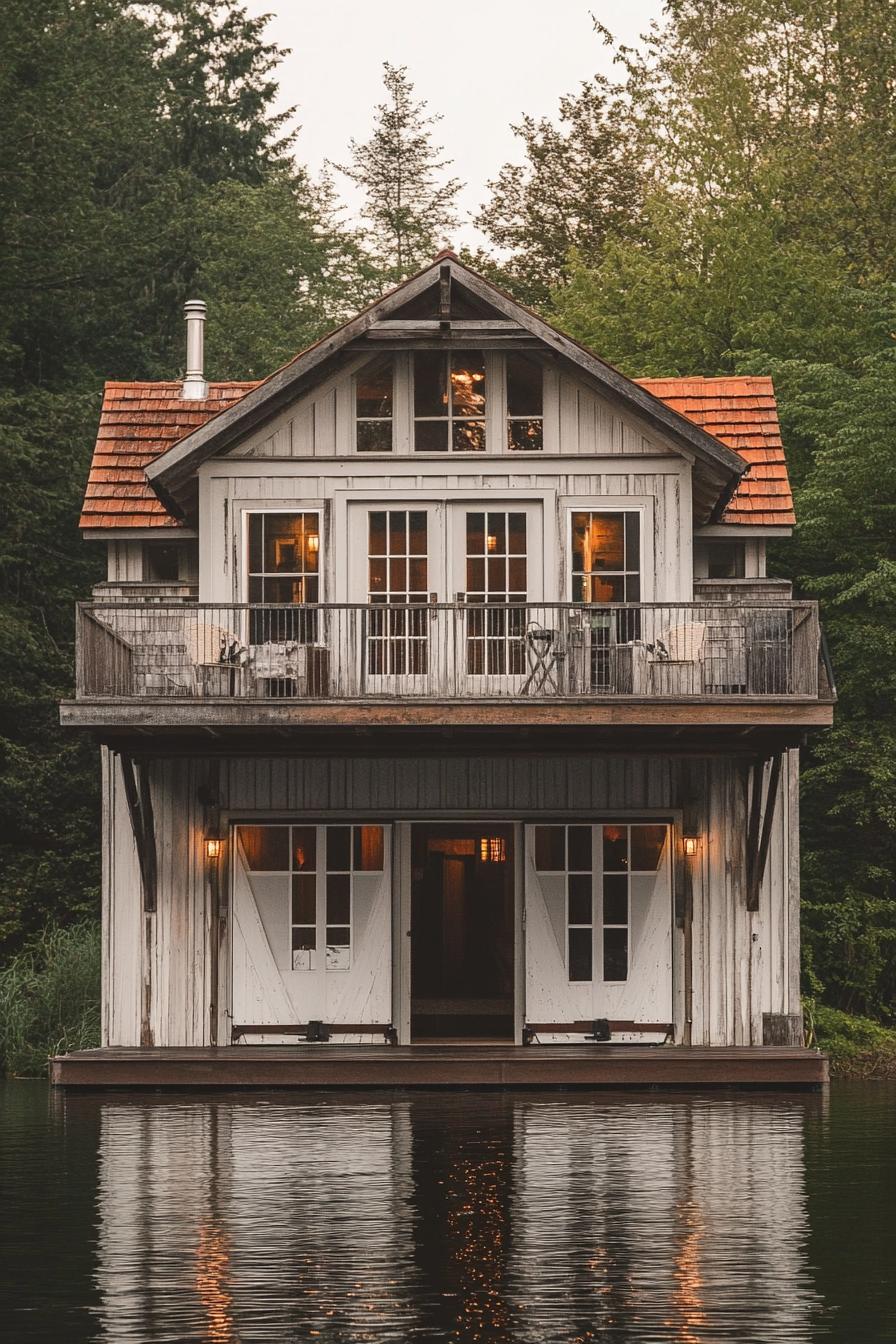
x: 492, y: 849
x: 492, y: 542
x: 212, y: 848
x: 690, y: 845
x: 313, y: 542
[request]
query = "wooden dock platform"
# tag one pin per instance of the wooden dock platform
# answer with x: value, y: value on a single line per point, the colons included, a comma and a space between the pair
x: 466, y: 1065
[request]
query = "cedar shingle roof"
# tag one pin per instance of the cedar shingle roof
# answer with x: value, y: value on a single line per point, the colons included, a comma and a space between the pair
x: 139, y: 421
x: 742, y: 413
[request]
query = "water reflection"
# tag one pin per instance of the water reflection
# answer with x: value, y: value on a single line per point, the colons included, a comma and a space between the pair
x: 453, y: 1216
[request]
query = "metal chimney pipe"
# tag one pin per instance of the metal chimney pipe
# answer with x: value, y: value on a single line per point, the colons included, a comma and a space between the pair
x: 195, y: 388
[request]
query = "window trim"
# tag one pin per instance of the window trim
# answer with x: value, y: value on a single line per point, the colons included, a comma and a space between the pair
x: 248, y: 575
x: 594, y: 505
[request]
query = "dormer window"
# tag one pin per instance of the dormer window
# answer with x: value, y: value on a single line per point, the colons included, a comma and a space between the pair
x: 525, y: 405
x: 374, y: 398
x: 449, y: 401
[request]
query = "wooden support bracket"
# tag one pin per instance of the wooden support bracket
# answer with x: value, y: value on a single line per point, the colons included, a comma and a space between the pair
x: 135, y: 774
x: 759, y: 830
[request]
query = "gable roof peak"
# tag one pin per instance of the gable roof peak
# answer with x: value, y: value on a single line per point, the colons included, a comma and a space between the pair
x: 446, y: 254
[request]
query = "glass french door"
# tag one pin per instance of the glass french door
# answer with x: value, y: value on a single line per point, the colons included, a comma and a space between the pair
x: 445, y: 590
x: 498, y: 577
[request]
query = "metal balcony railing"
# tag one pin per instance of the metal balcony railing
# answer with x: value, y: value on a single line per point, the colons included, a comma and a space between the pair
x: 450, y: 651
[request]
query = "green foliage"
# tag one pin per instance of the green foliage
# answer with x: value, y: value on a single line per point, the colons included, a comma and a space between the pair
x: 579, y: 185
x: 407, y: 202
x: 50, y: 998
x: 141, y: 159
x: 858, y: 1046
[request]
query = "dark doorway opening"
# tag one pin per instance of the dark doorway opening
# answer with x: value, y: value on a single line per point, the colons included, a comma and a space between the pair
x: 462, y: 932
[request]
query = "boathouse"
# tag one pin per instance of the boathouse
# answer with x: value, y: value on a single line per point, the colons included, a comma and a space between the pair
x: 449, y: 722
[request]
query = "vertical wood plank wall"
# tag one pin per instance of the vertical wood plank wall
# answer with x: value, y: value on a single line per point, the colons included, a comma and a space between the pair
x: 158, y: 977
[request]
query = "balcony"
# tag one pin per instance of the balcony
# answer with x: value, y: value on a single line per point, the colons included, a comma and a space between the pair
x: 164, y: 664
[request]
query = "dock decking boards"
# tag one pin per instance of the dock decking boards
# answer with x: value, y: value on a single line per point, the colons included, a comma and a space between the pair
x: 442, y: 1066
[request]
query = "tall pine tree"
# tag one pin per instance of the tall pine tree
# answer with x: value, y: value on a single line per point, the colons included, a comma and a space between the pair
x: 409, y: 205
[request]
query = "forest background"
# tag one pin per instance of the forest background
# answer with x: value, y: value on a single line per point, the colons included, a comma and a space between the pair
x: 726, y: 203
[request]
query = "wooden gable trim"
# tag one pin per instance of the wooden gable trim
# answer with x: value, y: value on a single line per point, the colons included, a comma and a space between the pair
x: 171, y: 474
x: 763, y: 799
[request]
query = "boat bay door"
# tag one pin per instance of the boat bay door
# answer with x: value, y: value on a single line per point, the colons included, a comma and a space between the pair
x: 312, y: 925
x: 598, y: 908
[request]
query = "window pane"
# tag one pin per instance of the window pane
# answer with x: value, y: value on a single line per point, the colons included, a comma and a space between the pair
x: 580, y: 849
x: 369, y: 849
x: 550, y: 849
x: 304, y: 848
x: 580, y: 954
x: 430, y: 394
x: 468, y: 382
x: 339, y: 901
x: 398, y: 532
x: 516, y: 534
x: 525, y: 436
x: 374, y: 436
x: 633, y: 541
x: 468, y: 436
x: 615, y: 954
x: 417, y: 533
x: 256, y: 543
x: 338, y: 849
x: 475, y: 533
x: 374, y: 388
x: 579, y: 889
x: 616, y: 899
x: 647, y: 847
x: 376, y: 544
x: 304, y: 900
x: 266, y: 848
x: 305, y: 938
x: 615, y: 849
x: 431, y: 436
x: 600, y: 589
x: 524, y: 386
x: 284, y: 543
x: 604, y: 542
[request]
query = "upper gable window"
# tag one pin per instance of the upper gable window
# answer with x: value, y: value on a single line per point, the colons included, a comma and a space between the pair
x: 374, y: 399
x: 525, y: 404
x: 449, y: 401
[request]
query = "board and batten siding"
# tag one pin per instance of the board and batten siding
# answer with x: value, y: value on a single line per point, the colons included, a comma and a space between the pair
x: 593, y: 456
x: 164, y: 979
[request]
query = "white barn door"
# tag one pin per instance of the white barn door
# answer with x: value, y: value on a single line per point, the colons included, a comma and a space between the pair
x: 599, y: 923
x: 312, y: 925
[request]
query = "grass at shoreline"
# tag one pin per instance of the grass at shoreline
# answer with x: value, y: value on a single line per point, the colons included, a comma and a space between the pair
x: 50, y: 998
x: 50, y: 1003
x: 858, y: 1046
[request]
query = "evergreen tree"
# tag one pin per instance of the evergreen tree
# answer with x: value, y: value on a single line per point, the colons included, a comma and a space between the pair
x: 409, y: 205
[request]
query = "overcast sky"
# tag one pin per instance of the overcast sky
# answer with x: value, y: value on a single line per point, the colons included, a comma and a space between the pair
x: 480, y: 63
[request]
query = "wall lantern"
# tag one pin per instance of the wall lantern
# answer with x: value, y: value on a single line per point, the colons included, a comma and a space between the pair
x: 213, y: 847
x: 313, y: 542
x: 691, y: 843
x: 492, y: 849
x: 491, y: 541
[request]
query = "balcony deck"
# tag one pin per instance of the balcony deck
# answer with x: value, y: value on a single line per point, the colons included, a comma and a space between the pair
x: 444, y: 1065
x: 150, y: 666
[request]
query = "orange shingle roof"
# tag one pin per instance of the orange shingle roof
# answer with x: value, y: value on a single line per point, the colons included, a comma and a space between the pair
x: 743, y: 414
x: 139, y: 421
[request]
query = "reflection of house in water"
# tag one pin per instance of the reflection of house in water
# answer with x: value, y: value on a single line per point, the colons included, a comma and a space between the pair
x: 491, y: 1216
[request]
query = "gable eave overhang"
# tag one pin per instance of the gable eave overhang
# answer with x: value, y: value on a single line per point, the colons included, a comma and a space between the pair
x: 172, y: 474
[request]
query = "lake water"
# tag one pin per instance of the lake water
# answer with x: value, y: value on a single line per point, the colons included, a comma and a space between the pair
x: 541, y: 1217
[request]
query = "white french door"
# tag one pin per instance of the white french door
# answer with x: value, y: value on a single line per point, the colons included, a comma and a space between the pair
x: 311, y: 924
x: 497, y: 565
x: 599, y: 922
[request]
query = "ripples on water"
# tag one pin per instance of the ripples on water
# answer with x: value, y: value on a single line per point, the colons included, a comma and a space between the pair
x: 535, y: 1217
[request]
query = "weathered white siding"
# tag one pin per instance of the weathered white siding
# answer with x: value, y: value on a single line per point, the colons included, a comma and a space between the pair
x: 160, y: 969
